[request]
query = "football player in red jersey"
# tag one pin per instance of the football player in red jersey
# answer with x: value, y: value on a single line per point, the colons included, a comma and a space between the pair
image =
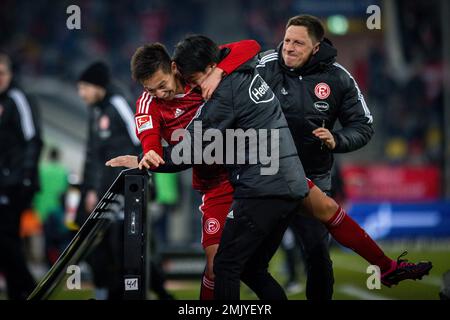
x: 168, y: 104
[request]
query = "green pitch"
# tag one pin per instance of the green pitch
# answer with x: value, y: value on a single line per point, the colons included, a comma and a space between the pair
x: 350, y: 279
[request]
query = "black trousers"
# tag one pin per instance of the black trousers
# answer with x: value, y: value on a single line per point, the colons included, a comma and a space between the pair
x: 252, y: 234
x: 13, y: 265
x: 313, y: 236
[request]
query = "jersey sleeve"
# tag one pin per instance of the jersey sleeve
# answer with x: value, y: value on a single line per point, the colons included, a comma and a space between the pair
x: 240, y: 52
x: 147, y: 119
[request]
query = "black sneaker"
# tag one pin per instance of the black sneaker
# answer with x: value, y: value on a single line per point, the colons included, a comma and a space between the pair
x: 402, y: 269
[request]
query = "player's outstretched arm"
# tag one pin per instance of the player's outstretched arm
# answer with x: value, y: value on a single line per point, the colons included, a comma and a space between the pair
x: 126, y: 161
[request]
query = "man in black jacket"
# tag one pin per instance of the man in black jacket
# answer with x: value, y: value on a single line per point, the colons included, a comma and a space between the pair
x: 315, y: 91
x: 20, y: 144
x: 111, y: 131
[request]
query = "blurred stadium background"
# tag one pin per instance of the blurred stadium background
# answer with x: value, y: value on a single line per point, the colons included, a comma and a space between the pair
x: 397, y: 187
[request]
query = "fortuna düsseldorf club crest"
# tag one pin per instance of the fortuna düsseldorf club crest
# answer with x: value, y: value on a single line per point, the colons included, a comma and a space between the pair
x: 322, y: 91
x: 212, y: 225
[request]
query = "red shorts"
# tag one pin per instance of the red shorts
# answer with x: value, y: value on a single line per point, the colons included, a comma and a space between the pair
x: 214, y: 209
x: 215, y: 206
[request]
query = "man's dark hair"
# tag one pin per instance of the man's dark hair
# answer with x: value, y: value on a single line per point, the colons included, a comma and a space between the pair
x: 6, y: 60
x: 194, y: 54
x: 148, y: 59
x: 314, y: 26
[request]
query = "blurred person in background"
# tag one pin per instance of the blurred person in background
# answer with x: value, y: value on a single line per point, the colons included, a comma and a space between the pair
x: 49, y: 204
x: 166, y: 200
x: 111, y: 132
x: 20, y: 144
x: 293, y: 262
x: 315, y: 91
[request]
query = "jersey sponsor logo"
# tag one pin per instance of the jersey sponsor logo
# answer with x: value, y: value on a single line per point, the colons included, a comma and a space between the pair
x: 259, y: 91
x: 321, y: 106
x: 322, y: 91
x: 144, y: 123
x: 212, y: 225
x: 104, y: 122
x: 178, y: 112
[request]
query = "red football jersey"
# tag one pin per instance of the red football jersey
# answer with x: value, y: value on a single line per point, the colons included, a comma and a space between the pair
x: 156, y: 119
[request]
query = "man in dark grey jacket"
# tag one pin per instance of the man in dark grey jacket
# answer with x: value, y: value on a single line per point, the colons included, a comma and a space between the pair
x: 315, y: 91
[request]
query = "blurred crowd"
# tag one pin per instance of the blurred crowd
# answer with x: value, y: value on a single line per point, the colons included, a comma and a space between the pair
x: 35, y: 33
x: 411, y: 106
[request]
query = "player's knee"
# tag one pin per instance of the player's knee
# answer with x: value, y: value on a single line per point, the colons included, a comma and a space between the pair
x: 331, y: 205
x: 328, y: 209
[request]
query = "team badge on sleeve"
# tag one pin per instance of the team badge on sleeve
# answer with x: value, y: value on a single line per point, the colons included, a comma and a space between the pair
x: 144, y: 123
x: 212, y: 225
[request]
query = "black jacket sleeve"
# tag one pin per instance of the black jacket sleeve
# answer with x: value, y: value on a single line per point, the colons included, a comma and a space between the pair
x: 169, y: 167
x: 33, y: 146
x: 216, y: 113
x: 29, y: 122
x: 354, y: 117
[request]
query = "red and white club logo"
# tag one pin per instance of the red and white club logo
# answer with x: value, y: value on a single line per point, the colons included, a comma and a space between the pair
x: 104, y: 122
x: 212, y: 225
x: 322, y: 90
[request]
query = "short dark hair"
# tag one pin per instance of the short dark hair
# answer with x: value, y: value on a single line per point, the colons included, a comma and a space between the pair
x: 314, y: 26
x: 148, y: 59
x: 194, y: 54
x: 6, y: 60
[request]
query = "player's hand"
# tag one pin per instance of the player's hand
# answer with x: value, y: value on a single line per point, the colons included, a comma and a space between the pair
x: 327, y: 138
x: 210, y: 84
x: 151, y: 158
x: 123, y: 161
x: 91, y: 201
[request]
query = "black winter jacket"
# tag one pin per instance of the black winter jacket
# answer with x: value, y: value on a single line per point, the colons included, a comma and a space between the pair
x: 20, y: 140
x: 317, y: 94
x: 111, y: 134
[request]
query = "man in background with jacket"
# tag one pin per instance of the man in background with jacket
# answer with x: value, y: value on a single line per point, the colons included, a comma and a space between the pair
x: 111, y: 132
x: 21, y: 144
